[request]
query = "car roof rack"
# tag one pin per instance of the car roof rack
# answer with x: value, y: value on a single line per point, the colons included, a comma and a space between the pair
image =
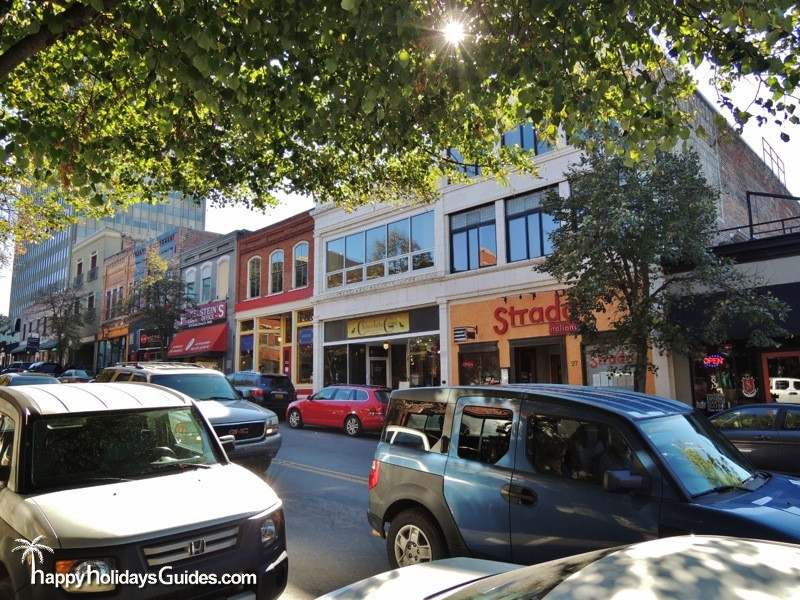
x: 160, y: 364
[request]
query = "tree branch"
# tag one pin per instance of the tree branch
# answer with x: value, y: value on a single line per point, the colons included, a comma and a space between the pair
x: 72, y: 19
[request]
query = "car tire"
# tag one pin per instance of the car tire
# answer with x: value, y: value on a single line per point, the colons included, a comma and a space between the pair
x: 294, y: 419
x: 352, y: 426
x: 413, y: 535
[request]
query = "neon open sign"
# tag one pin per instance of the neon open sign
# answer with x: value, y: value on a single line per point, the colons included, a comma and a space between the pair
x: 712, y: 361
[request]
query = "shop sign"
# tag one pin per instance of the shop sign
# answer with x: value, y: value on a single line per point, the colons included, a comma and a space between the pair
x: 713, y: 361
x: 204, y: 314
x: 305, y: 336
x: 149, y: 339
x: 749, y: 389
x: 378, y: 325
x: 33, y: 342
x: 555, y: 314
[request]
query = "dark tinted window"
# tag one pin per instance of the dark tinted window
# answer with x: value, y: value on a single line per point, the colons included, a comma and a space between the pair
x: 408, y: 440
x: 6, y: 446
x: 426, y: 417
x: 140, y: 377
x: 124, y: 376
x: 276, y: 383
x: 484, y: 433
x: 792, y: 419
x: 579, y: 450
x: 200, y: 386
x: 748, y: 419
x: 383, y: 397
x: 781, y: 384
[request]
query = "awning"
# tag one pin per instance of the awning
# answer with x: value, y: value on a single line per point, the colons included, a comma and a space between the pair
x: 191, y: 342
x: 47, y: 345
x: 19, y: 350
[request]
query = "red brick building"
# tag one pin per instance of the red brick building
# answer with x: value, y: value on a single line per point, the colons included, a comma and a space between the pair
x: 274, y: 286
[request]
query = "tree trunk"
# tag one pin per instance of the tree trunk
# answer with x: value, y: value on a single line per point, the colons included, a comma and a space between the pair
x: 640, y: 368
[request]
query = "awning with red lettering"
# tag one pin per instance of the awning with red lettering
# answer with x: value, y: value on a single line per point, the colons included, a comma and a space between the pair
x: 200, y: 340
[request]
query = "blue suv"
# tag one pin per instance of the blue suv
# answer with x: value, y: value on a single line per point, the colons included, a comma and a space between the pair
x: 536, y: 472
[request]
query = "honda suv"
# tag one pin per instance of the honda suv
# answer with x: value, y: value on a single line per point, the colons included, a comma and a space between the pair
x: 536, y: 472
x: 129, y: 479
x: 255, y: 429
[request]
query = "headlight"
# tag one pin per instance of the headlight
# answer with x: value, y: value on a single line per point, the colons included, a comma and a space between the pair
x: 271, y: 426
x: 86, y: 576
x: 272, y: 527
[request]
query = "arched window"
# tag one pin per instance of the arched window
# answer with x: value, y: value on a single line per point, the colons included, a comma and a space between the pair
x: 254, y: 277
x: 301, y: 265
x: 189, y: 283
x: 205, y: 283
x: 276, y: 272
x: 223, y: 275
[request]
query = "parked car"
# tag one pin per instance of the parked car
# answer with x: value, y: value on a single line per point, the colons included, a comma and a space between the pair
x: 74, y: 376
x: 16, y: 367
x: 673, y: 568
x: 784, y: 389
x: 354, y: 408
x: 26, y: 378
x: 274, y: 392
x: 254, y: 428
x: 50, y: 368
x: 130, y: 478
x: 767, y: 434
x: 529, y: 473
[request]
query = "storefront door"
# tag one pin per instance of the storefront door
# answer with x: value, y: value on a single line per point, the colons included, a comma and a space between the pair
x: 537, y: 362
x: 782, y: 375
x: 378, y: 372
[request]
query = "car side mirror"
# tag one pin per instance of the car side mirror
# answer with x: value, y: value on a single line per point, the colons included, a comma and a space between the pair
x: 228, y: 443
x: 623, y: 480
x: 312, y: 397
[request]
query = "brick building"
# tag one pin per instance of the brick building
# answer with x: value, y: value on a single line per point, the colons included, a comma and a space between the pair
x: 117, y: 280
x: 273, y: 310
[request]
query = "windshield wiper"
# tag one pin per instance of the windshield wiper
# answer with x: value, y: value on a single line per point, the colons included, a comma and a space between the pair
x: 181, y: 465
x: 91, y: 480
x: 217, y: 398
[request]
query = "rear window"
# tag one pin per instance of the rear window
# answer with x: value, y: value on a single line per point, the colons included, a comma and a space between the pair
x: 105, y: 376
x: 28, y: 380
x: 277, y: 383
x: 382, y: 396
x: 424, y: 417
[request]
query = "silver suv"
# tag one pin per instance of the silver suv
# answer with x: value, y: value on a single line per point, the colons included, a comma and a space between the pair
x: 104, y: 482
x: 256, y: 439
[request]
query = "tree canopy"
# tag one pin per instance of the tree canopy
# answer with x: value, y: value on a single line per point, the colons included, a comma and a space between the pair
x: 107, y: 102
x: 634, y: 249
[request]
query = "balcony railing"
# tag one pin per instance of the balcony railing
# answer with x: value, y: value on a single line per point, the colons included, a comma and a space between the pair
x: 92, y: 274
x: 79, y: 280
x: 759, y: 230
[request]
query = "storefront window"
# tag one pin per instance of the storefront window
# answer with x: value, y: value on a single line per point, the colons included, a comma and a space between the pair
x: 305, y: 354
x: 246, y: 352
x: 423, y: 361
x: 612, y: 369
x: 269, y: 344
x: 335, y: 368
x: 783, y: 372
x: 725, y: 377
x: 478, y: 364
x: 357, y: 364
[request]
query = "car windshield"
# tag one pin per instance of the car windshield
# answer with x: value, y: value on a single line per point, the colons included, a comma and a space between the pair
x: 699, y: 457
x: 89, y: 449
x: 33, y: 380
x: 529, y: 583
x: 200, y: 386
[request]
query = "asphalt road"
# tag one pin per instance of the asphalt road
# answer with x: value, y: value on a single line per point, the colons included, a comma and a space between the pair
x: 322, y: 478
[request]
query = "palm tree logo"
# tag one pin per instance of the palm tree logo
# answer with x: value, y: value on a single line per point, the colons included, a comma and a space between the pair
x: 32, y: 551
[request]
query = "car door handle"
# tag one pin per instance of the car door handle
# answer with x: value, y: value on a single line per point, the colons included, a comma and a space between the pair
x: 762, y: 438
x: 516, y: 494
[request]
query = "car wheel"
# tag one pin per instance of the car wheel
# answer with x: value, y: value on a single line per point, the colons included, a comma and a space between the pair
x: 414, y: 538
x: 294, y: 419
x: 352, y: 426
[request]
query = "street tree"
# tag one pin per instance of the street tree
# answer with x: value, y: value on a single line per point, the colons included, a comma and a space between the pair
x: 107, y: 102
x: 158, y: 299
x: 62, y: 308
x: 634, y: 248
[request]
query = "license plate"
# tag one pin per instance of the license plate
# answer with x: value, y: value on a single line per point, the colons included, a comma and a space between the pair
x: 278, y: 395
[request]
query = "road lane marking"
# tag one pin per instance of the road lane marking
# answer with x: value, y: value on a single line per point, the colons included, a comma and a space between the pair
x: 321, y: 471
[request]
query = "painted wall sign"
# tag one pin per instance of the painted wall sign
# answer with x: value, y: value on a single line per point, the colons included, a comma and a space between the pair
x: 149, y: 339
x: 555, y: 314
x: 378, y: 325
x: 204, y: 314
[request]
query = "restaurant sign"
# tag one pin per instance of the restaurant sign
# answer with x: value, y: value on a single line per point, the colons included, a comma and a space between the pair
x: 204, y: 314
x: 554, y: 314
x: 378, y: 325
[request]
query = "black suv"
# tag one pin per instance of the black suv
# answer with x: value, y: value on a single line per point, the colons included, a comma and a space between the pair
x: 271, y: 391
x: 537, y: 472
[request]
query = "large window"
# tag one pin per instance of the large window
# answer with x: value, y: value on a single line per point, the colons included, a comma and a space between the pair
x: 392, y: 249
x: 526, y: 137
x: 276, y: 272
x: 205, y: 283
x: 254, y: 277
x: 189, y: 279
x: 473, y: 242
x: 478, y: 364
x: 528, y: 227
x: 223, y: 276
x: 301, y: 265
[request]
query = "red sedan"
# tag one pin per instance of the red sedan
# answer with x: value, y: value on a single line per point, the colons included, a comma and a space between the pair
x: 355, y: 408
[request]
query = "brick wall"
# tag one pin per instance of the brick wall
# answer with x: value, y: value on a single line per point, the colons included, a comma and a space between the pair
x: 742, y: 170
x: 283, y: 235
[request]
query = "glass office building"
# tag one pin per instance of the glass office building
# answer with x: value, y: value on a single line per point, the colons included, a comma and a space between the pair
x: 46, y: 264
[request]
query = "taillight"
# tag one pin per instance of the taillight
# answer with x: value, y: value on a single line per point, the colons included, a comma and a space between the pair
x: 257, y: 393
x: 374, y: 474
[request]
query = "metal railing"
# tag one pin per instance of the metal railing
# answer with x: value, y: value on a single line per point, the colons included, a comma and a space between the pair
x: 92, y: 275
x: 758, y: 230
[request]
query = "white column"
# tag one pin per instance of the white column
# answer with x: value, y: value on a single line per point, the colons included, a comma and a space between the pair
x: 500, y: 231
x: 665, y: 376
x: 293, y: 364
x: 319, y: 363
x: 444, y: 342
